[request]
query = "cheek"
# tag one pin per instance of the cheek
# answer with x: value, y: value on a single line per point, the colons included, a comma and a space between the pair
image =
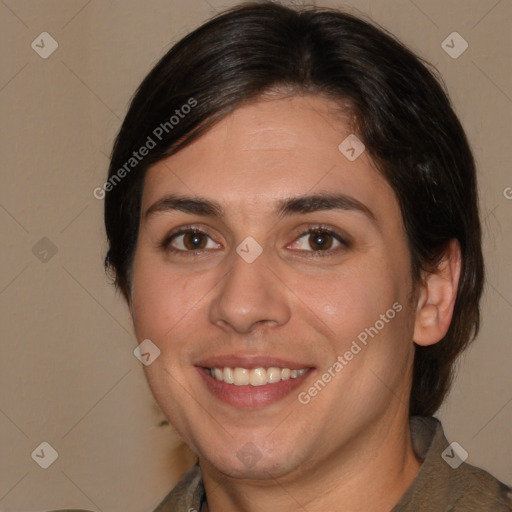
x: 368, y: 316
x: 349, y: 300
x: 165, y: 303
x: 158, y: 298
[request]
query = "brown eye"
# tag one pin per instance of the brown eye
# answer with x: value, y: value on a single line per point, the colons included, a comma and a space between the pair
x: 188, y: 240
x: 320, y: 240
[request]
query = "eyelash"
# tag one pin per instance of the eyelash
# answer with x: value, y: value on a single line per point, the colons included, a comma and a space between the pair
x: 166, y: 242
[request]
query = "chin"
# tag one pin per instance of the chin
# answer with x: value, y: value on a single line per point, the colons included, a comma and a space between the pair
x: 256, y: 460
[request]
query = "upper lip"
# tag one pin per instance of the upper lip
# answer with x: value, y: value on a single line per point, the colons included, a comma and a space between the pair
x: 249, y: 361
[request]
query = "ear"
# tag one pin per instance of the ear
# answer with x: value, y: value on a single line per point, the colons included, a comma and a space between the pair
x: 437, y: 298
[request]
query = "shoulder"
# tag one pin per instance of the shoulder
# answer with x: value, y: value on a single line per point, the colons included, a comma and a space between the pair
x: 445, y: 481
x: 481, y: 490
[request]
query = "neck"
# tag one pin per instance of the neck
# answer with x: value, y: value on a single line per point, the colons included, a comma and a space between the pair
x: 369, y: 475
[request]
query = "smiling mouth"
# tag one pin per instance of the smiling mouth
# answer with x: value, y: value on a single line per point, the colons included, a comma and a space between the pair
x: 252, y: 382
x: 254, y: 376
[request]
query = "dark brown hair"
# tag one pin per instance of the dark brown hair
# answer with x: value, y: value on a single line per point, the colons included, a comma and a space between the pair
x: 403, y: 116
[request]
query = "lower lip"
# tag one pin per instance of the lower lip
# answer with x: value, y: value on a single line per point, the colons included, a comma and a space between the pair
x: 250, y: 397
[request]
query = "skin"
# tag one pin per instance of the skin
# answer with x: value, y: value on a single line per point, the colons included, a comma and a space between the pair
x: 350, y: 445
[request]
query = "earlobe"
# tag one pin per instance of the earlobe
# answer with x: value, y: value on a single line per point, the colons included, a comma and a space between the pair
x: 436, y: 299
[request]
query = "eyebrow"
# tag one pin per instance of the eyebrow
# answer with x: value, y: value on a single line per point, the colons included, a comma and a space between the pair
x: 285, y: 207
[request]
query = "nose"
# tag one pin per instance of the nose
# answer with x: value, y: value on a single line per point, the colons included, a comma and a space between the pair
x: 250, y: 294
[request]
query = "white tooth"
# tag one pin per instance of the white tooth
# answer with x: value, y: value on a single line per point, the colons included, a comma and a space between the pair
x: 255, y: 377
x: 228, y: 375
x: 258, y: 377
x: 274, y: 374
x: 241, y: 377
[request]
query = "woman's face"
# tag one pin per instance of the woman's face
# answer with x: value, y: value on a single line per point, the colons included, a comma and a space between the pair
x: 279, y: 349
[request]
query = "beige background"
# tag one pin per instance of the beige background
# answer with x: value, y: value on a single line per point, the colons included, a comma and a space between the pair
x: 67, y: 372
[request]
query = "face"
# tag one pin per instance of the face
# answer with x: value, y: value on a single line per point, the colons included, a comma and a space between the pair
x: 281, y: 311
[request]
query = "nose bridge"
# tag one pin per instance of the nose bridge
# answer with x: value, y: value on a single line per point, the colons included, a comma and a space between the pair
x: 250, y: 293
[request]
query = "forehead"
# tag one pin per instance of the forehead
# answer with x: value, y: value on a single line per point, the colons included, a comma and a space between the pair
x: 270, y: 150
